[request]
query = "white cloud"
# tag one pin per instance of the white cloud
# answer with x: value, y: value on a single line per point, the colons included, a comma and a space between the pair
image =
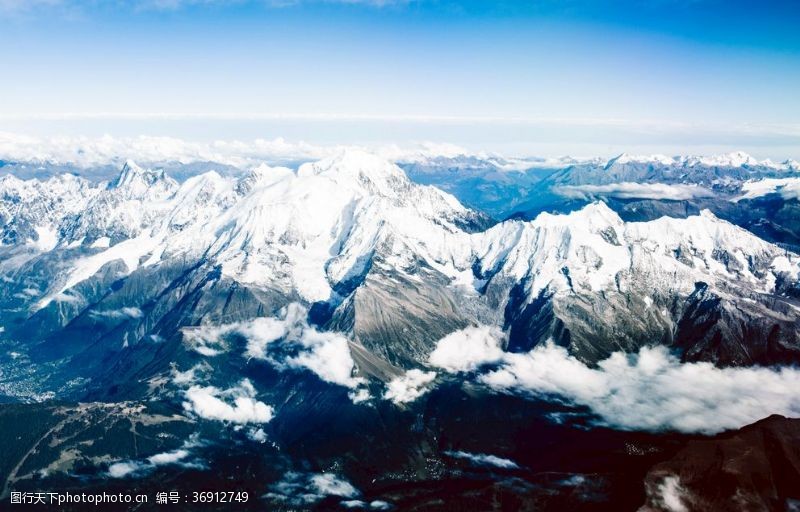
x: 668, y: 494
x: 124, y: 469
x: 299, y: 489
x: 468, y: 349
x: 788, y: 188
x: 483, y: 459
x: 373, y: 505
x: 83, y: 152
x: 257, y: 435
x: 64, y: 297
x: 628, y: 190
x: 138, y: 468
x: 190, y: 376
x: 359, y: 395
x: 652, y: 390
x: 87, y: 152
x: 259, y: 333
x: 410, y: 386
x: 331, y: 485
x: 354, y: 504
x: 327, y: 354
x: 127, y: 312
x: 207, y: 340
x: 210, y: 402
x: 172, y: 457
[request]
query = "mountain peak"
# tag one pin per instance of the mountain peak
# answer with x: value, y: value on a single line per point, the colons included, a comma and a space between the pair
x: 740, y: 158
x: 594, y: 217
x: 733, y: 159
x: 261, y: 175
x: 625, y: 158
x: 131, y: 173
x: 136, y: 182
x: 360, y: 169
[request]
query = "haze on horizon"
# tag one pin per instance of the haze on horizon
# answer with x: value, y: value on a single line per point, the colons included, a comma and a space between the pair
x: 549, y: 78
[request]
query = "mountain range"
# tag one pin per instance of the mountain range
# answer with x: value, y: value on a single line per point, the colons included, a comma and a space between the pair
x: 352, y: 302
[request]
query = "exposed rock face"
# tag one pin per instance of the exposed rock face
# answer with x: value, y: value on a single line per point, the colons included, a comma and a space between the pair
x: 394, y: 265
x: 756, y: 468
x: 310, y: 302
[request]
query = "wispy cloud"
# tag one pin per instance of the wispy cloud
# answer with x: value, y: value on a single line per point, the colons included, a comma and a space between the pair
x: 649, y: 126
x: 116, y: 314
x: 17, y: 6
x: 137, y: 468
x: 484, y: 459
x: 303, y: 489
x: 44, y: 7
x: 286, y: 342
x: 634, y: 191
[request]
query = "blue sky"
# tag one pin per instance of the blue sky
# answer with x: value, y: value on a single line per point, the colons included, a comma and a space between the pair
x: 546, y: 77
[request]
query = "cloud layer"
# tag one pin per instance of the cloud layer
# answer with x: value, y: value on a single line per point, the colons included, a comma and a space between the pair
x: 788, y: 188
x: 652, y: 390
x: 627, y: 190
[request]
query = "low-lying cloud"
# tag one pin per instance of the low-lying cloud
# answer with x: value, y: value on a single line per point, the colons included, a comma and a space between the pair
x: 116, y: 314
x: 137, y: 468
x: 210, y: 340
x: 787, y: 188
x: 668, y: 495
x: 467, y: 349
x: 409, y: 386
x: 652, y: 390
x: 628, y: 190
x: 286, y: 342
x: 235, y: 405
x: 303, y: 489
x: 484, y: 459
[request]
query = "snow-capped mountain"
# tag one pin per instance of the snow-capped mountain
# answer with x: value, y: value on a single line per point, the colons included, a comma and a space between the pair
x: 353, y: 238
x: 720, y: 170
x: 304, y: 310
x: 33, y: 210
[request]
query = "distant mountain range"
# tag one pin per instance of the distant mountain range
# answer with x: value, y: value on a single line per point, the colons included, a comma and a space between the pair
x: 363, y: 295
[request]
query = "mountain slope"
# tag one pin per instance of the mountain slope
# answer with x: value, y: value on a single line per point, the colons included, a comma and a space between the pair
x: 338, y: 323
x: 394, y: 265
